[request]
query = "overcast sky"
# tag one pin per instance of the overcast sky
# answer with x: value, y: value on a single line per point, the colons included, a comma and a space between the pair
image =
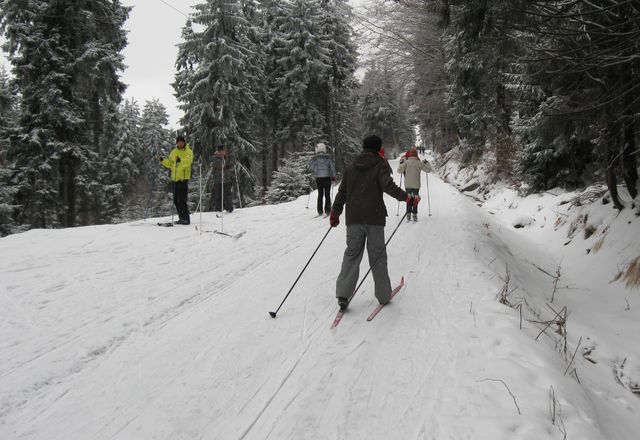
x: 154, y: 32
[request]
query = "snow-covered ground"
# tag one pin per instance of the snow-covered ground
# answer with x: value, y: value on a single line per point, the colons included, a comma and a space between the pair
x: 134, y: 331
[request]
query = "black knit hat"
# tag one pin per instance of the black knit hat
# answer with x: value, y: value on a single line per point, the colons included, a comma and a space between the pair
x: 181, y: 139
x: 372, y: 142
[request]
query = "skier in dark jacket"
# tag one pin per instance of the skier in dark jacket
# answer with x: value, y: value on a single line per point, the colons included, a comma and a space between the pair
x: 363, y: 184
x: 222, y: 179
x: 325, y: 173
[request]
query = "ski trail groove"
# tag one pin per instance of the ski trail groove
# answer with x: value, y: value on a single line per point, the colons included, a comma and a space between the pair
x: 273, y: 396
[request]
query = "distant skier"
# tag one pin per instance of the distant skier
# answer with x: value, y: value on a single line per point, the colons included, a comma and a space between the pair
x: 324, y: 171
x: 179, y: 162
x: 222, y: 179
x: 362, y: 186
x: 411, y: 167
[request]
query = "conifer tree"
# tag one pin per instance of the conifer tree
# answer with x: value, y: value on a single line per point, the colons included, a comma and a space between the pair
x: 383, y: 111
x: 216, y: 73
x: 155, y: 139
x: 339, y: 35
x: 292, y: 180
x: 66, y: 56
x: 301, y: 75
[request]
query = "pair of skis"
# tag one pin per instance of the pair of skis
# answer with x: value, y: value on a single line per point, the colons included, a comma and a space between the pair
x: 234, y: 236
x: 375, y: 311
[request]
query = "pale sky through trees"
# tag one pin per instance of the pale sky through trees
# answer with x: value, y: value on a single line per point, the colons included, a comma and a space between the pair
x: 154, y: 32
x: 154, y: 29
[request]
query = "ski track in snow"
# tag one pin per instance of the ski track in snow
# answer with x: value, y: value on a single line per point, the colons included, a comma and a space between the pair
x: 113, y: 332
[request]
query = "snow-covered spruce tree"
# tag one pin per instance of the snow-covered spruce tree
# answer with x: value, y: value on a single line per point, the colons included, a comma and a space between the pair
x: 7, y: 189
x: 155, y: 139
x: 585, y: 89
x: 66, y: 58
x: 128, y: 157
x: 301, y: 76
x: 7, y: 193
x: 478, y: 53
x: 128, y: 188
x: 271, y: 15
x: 382, y: 110
x: 292, y: 180
x: 8, y: 100
x: 335, y: 25
x: 217, y: 72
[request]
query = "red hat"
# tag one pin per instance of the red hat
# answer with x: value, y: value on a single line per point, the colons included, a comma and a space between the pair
x: 413, y: 152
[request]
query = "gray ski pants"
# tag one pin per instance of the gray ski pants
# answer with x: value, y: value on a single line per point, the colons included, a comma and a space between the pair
x: 357, y: 236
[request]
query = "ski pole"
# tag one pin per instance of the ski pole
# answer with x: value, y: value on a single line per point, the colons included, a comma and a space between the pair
x: 200, y: 192
x: 398, y: 210
x: 235, y: 167
x: 222, y: 196
x: 173, y: 188
x: 206, y: 180
x: 273, y: 314
x: 308, y: 198
x: 428, y: 198
x: 376, y: 260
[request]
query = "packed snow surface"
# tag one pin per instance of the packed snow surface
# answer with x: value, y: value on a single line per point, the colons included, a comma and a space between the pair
x: 135, y: 331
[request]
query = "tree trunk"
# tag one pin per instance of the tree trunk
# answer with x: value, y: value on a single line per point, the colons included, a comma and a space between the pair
x: 68, y: 191
x: 265, y: 168
x: 274, y: 156
x: 610, y: 160
x: 332, y: 123
x: 629, y: 162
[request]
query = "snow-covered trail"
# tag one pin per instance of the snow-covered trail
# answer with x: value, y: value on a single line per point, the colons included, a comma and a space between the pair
x: 123, y: 332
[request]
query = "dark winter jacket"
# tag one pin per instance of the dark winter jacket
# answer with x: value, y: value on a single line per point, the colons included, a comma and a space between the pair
x: 361, y: 189
x: 322, y: 166
x: 217, y: 169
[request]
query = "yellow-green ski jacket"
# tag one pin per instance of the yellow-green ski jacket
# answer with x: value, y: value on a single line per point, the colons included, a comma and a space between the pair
x: 179, y: 170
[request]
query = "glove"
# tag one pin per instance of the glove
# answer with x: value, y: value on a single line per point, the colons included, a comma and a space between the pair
x: 413, y: 200
x: 177, y: 160
x: 334, y: 219
x: 160, y: 158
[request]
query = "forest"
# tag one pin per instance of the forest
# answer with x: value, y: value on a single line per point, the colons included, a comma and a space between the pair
x: 546, y: 91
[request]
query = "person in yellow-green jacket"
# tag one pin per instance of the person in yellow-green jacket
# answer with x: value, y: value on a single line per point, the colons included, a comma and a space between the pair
x: 179, y: 162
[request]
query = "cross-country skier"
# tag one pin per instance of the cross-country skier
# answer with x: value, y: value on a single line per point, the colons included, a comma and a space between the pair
x: 361, y: 190
x: 324, y: 171
x: 411, y: 166
x: 179, y: 162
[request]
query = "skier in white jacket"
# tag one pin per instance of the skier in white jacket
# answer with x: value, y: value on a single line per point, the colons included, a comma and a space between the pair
x: 411, y: 166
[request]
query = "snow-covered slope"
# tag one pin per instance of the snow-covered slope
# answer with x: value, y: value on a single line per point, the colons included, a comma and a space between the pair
x: 136, y: 332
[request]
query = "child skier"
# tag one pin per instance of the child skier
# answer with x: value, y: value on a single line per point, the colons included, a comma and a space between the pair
x: 325, y: 172
x: 411, y: 166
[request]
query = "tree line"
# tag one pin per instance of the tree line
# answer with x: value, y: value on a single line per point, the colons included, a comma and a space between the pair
x: 268, y: 79
x: 549, y: 90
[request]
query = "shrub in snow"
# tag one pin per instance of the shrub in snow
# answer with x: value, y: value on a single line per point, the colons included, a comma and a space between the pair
x: 292, y: 180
